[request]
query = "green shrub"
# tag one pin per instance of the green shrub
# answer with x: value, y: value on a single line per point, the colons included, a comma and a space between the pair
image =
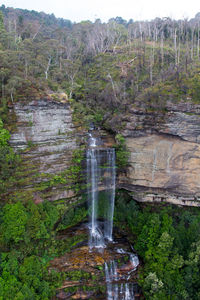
x: 27, y: 244
x: 26, y: 280
x: 14, y: 219
x: 27, y: 223
x: 8, y: 159
x: 167, y: 241
x: 122, y: 154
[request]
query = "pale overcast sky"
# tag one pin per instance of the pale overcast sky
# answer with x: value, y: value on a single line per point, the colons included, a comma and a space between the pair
x: 77, y: 10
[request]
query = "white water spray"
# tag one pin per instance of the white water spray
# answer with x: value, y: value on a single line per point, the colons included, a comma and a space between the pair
x: 100, y: 176
x: 117, y: 291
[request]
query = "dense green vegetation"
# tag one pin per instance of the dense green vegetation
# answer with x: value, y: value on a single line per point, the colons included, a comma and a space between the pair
x: 28, y: 241
x: 105, y: 69
x: 28, y: 232
x: 26, y: 235
x: 122, y: 153
x: 102, y: 67
x: 167, y: 241
x: 8, y: 159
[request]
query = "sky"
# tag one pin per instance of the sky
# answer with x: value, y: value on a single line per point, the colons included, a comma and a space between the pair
x: 79, y: 10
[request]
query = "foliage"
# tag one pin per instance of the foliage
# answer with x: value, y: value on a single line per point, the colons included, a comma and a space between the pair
x: 74, y: 172
x: 23, y: 225
x: 27, y: 238
x: 26, y: 280
x: 8, y: 159
x: 78, y: 275
x: 28, y: 242
x: 4, y: 135
x: 63, y: 246
x: 103, y: 67
x: 122, y: 154
x: 167, y: 240
x: 14, y: 221
x: 69, y: 179
x: 72, y: 216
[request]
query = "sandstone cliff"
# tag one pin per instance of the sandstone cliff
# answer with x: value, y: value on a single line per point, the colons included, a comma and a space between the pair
x: 164, y: 147
x: 45, y: 136
x: 164, y: 162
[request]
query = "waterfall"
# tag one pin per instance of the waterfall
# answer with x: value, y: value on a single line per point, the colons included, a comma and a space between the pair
x: 100, y: 177
x: 93, y: 177
x: 110, y: 187
x: 101, y: 196
x: 117, y: 291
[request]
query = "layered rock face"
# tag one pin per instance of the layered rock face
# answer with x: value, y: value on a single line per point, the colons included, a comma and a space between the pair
x: 45, y: 135
x: 164, y: 154
x: 164, y: 147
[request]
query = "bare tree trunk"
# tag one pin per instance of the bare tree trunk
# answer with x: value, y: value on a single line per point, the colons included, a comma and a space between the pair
x: 175, y: 47
x: 15, y: 26
x: 162, y: 50
x: 192, y: 45
x: 36, y: 33
x: 186, y: 55
x: 2, y: 87
x: 9, y: 25
x: 116, y: 43
x: 60, y: 63
x: 151, y: 63
x: 151, y: 70
x: 198, y: 43
x: 11, y: 96
x: 137, y: 77
x: 113, y: 87
x: 149, y: 29
x: 144, y: 55
x: 72, y: 85
x: 26, y: 69
x: 140, y: 31
x: 47, y: 69
x: 179, y: 50
x: 155, y: 34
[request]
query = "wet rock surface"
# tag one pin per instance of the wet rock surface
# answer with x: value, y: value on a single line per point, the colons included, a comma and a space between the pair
x: 84, y: 270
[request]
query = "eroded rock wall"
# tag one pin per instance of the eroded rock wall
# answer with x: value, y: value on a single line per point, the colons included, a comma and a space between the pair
x: 46, y: 138
x: 164, y: 150
x: 164, y: 163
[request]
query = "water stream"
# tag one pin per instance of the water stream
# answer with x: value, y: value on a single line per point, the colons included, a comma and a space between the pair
x: 101, y: 177
x: 115, y: 289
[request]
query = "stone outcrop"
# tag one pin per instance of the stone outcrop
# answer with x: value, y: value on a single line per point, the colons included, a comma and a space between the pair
x: 164, y: 163
x: 47, y: 128
x: 164, y: 150
x: 45, y: 136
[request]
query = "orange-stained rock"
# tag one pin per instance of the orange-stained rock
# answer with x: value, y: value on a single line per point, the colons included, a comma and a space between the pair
x: 164, y: 164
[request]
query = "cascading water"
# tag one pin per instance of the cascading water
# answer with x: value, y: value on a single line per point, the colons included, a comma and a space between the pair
x: 117, y: 290
x: 93, y: 174
x: 100, y: 176
x: 110, y: 187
